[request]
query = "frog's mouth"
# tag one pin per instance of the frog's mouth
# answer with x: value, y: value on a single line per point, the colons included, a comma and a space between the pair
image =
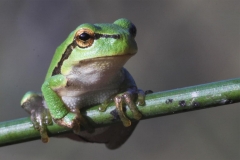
x: 115, y: 57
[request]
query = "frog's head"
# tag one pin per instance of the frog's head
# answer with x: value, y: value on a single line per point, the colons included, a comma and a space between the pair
x: 103, y: 40
x: 94, y: 42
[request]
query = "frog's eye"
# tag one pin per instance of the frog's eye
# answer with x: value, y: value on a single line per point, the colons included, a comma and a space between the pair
x: 84, y: 38
x: 133, y: 30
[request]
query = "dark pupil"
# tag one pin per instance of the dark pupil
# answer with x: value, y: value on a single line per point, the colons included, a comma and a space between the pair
x: 84, y: 36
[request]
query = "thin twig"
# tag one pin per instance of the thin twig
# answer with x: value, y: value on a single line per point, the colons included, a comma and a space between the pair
x: 157, y: 104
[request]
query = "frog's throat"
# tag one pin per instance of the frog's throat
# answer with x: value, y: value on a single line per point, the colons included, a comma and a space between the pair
x: 127, y: 56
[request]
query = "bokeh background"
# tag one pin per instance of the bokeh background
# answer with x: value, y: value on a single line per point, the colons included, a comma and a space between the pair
x: 181, y: 43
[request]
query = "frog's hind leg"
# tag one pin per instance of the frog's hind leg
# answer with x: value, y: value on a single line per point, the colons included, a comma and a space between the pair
x: 113, y: 136
x: 80, y: 120
x: 34, y: 104
x: 119, y: 134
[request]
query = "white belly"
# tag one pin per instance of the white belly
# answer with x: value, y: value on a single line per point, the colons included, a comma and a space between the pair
x: 93, y: 81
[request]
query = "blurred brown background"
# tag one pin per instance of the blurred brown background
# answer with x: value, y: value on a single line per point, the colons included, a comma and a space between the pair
x: 181, y: 43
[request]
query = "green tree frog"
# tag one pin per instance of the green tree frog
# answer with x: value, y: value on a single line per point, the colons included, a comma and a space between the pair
x: 87, y: 69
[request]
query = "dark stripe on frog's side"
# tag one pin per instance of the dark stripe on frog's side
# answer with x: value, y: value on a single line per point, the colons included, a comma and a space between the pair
x: 66, y: 54
x: 68, y: 51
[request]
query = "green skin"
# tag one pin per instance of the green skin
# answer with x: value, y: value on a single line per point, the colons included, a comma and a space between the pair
x: 87, y: 69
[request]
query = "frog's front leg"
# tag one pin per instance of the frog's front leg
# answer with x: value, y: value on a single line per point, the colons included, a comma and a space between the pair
x: 132, y: 97
x: 33, y: 103
x: 128, y: 98
x: 61, y: 114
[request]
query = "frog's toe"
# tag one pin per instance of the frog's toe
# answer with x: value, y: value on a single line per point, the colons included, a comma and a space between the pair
x: 81, y: 121
x: 141, y: 98
x: 126, y: 122
x: 74, y: 120
x: 40, y: 116
x: 119, y: 106
x: 43, y: 133
x: 128, y: 98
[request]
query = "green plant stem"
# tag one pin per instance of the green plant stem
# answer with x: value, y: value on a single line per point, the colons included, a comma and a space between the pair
x: 157, y: 104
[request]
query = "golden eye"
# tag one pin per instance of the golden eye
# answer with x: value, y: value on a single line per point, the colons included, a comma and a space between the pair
x: 84, y: 37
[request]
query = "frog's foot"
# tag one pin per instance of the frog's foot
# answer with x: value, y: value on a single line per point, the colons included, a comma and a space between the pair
x: 141, y: 98
x: 40, y: 116
x: 105, y: 104
x: 73, y: 120
x: 128, y: 99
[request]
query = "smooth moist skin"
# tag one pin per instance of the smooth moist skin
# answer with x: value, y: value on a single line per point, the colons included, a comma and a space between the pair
x: 87, y: 69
